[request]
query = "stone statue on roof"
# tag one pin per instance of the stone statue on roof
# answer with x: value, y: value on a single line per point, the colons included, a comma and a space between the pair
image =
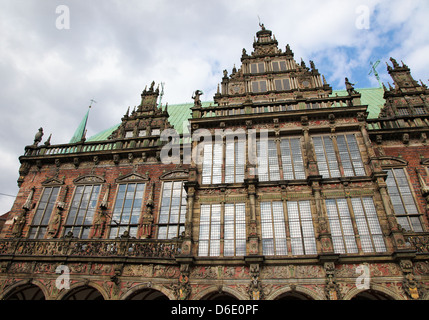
x: 349, y: 87
x: 38, y: 137
x: 196, y: 97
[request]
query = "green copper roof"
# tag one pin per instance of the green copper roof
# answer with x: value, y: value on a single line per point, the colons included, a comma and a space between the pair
x: 180, y: 113
x: 373, y: 97
x: 80, y: 131
x: 103, y: 135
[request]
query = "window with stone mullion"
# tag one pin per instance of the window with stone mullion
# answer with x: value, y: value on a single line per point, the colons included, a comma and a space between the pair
x: 43, y: 213
x: 407, y: 214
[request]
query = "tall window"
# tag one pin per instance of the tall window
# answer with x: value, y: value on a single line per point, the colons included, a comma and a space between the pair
x: 231, y: 224
x: 273, y: 228
x: 348, y: 155
x: 173, y: 210
x: 209, y: 239
x: 43, y: 213
x: 368, y: 226
x: 235, y: 229
x: 212, y: 163
x: 291, y: 162
x: 234, y: 162
x: 291, y: 156
x: 235, y: 153
x: 268, y: 163
x: 340, y: 221
x: 84, y: 204
x: 301, y: 227
x: 402, y: 199
x: 126, y: 213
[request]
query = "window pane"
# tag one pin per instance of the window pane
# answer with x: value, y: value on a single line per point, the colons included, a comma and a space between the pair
x: 273, y: 228
x: 172, y: 211
x: 403, y: 200
x: 341, y: 226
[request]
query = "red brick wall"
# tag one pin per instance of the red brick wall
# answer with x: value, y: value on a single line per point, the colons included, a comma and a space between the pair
x: 110, y: 173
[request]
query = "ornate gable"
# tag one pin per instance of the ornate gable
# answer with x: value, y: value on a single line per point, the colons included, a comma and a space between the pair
x: 392, y: 162
x: 89, y: 179
x: 132, y: 177
x: 268, y: 75
x: 51, y: 182
x: 175, y: 174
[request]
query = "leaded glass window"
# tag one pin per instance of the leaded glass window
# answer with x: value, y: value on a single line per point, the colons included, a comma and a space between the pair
x: 234, y: 161
x: 326, y: 158
x: 301, y: 227
x: 368, y: 226
x: 230, y: 228
x: 43, y: 213
x: 212, y: 163
x: 84, y: 204
x: 273, y: 228
x: 173, y: 210
x: 268, y: 163
x: 348, y: 155
x: 128, y: 206
x: 235, y: 229
x: 403, y: 201
x: 235, y: 153
x: 291, y: 156
x: 209, y: 239
x: 343, y: 236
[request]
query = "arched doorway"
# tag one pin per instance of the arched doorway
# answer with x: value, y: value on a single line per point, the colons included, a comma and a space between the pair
x: 219, y: 296
x: 148, y: 294
x: 26, y: 292
x: 371, y: 295
x: 83, y: 293
x: 293, y: 296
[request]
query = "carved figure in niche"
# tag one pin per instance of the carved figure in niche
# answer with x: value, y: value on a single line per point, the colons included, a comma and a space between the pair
x: 147, y: 218
x: 99, y: 225
x: 54, y: 226
x: 349, y: 87
x: 18, y: 224
x: 38, y: 137
x: 196, y: 97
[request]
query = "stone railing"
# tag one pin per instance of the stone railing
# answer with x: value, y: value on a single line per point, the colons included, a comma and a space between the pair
x: 322, y: 103
x: 138, y: 248
x: 93, y: 146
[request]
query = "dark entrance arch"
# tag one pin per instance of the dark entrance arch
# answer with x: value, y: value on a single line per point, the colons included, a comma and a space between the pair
x: 219, y: 296
x: 148, y: 294
x: 83, y: 293
x: 293, y: 296
x: 371, y: 295
x: 26, y: 292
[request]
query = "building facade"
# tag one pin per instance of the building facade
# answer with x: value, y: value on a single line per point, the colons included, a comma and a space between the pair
x: 278, y: 189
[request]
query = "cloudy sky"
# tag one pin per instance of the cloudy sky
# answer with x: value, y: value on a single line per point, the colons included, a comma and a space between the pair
x: 52, y: 64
